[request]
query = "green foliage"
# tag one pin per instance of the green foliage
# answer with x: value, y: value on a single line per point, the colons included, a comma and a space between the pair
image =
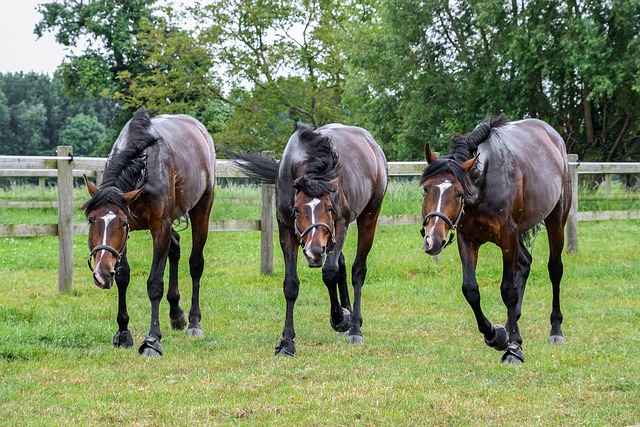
x: 82, y: 132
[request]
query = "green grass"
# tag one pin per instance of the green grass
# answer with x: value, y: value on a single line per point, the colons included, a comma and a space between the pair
x: 423, y: 361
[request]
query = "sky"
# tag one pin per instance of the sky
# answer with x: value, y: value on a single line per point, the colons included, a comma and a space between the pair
x: 20, y: 48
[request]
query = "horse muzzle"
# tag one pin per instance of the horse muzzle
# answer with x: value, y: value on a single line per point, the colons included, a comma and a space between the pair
x: 315, y: 255
x: 104, y: 281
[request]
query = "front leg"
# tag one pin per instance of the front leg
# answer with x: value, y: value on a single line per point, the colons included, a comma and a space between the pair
x: 155, y: 288
x: 512, y: 296
x: 122, y: 337
x: 291, y: 288
x: 494, y: 335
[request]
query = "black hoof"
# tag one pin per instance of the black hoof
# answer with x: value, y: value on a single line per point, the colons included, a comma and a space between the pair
x: 150, y: 346
x: 180, y: 322
x: 500, y: 340
x: 345, y: 324
x: 123, y: 339
x: 285, y: 347
x: 513, y: 354
x: 556, y: 339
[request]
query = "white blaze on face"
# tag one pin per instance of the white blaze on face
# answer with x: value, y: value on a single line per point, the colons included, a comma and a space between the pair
x: 312, y: 205
x: 106, y: 219
x: 443, y: 186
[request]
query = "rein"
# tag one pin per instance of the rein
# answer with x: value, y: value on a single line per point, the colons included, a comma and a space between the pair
x: 116, y: 253
x: 452, y: 225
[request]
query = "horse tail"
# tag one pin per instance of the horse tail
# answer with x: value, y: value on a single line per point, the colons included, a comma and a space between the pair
x: 262, y: 169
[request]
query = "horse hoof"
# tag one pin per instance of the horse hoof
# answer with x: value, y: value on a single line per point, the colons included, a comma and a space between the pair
x: 194, y: 332
x: 180, y: 322
x: 345, y: 325
x: 150, y: 346
x: 285, y: 347
x: 123, y: 339
x: 556, y: 339
x: 513, y: 355
x: 500, y: 340
x: 355, y: 339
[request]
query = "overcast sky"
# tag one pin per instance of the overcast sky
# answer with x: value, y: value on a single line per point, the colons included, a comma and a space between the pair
x: 20, y: 49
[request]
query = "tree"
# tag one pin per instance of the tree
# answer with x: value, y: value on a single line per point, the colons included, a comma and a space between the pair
x: 107, y: 29
x: 84, y: 133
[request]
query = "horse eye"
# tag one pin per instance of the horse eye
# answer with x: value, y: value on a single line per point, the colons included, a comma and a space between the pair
x: 426, y: 190
x: 125, y: 224
x: 459, y: 194
x: 330, y: 209
x: 90, y: 221
x: 294, y: 212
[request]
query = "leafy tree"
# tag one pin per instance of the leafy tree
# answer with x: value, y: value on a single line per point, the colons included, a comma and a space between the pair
x: 106, y: 28
x: 84, y: 133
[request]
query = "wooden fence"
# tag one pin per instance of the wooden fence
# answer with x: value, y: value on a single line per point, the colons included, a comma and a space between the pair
x: 64, y: 166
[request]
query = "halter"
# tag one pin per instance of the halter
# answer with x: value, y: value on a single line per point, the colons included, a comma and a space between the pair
x: 117, y: 254
x: 311, y: 227
x: 452, y: 226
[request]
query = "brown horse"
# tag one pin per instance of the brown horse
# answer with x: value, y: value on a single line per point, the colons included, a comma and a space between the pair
x: 497, y: 185
x: 326, y: 179
x: 159, y: 170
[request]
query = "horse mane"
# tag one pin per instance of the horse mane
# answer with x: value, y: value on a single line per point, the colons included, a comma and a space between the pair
x: 463, y: 148
x: 321, y: 164
x: 125, y: 170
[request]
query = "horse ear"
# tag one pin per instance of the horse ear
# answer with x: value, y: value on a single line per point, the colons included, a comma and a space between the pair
x: 131, y: 195
x: 334, y: 183
x: 469, y: 163
x: 90, y: 186
x: 428, y: 155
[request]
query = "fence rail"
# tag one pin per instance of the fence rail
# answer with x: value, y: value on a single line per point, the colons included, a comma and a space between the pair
x: 64, y: 166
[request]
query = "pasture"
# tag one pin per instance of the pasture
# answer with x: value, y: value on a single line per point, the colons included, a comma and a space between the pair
x: 422, y: 363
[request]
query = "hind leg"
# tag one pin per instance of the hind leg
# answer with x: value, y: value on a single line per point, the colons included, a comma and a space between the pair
x: 176, y: 315
x: 522, y: 274
x: 200, y: 231
x: 555, y: 231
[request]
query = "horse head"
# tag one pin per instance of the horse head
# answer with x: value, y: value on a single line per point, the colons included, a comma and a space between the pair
x: 314, y: 222
x: 107, y: 215
x: 445, y: 183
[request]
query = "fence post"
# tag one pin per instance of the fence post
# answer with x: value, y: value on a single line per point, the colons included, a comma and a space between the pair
x: 266, y: 223
x: 572, y: 221
x: 65, y: 219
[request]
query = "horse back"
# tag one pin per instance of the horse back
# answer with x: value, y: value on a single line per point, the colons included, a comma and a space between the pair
x: 525, y: 172
x: 362, y: 164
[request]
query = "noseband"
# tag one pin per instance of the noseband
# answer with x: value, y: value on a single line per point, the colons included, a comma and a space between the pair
x: 311, y: 227
x: 452, y: 225
x: 116, y: 253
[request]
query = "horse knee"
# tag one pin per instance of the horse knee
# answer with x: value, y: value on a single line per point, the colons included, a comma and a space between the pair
x: 330, y: 275
x: 471, y: 292
x: 291, y: 289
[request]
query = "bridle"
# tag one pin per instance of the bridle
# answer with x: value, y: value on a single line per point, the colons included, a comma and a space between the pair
x: 452, y: 225
x: 116, y: 253
x: 301, y: 234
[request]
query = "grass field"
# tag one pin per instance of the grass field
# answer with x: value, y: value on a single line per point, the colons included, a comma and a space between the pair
x: 422, y: 363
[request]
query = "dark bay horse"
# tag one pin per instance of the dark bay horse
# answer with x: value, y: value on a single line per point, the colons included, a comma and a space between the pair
x: 497, y: 185
x: 326, y: 179
x: 159, y: 170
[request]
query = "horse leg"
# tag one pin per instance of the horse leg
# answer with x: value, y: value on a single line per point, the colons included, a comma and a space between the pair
x: 555, y: 231
x: 291, y: 288
x: 155, y: 286
x: 200, y: 232
x: 176, y: 315
x: 122, y: 337
x: 343, y: 288
x: 340, y: 316
x: 495, y: 336
x: 522, y: 274
x: 511, y: 295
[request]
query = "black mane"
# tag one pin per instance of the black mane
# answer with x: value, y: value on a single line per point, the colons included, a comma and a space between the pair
x: 462, y: 149
x: 125, y: 170
x: 321, y: 164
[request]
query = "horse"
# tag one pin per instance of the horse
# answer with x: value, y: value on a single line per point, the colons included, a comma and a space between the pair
x: 160, y: 170
x: 326, y: 179
x: 499, y: 184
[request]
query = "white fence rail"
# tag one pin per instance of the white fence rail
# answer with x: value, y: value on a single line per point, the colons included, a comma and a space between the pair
x: 64, y: 166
